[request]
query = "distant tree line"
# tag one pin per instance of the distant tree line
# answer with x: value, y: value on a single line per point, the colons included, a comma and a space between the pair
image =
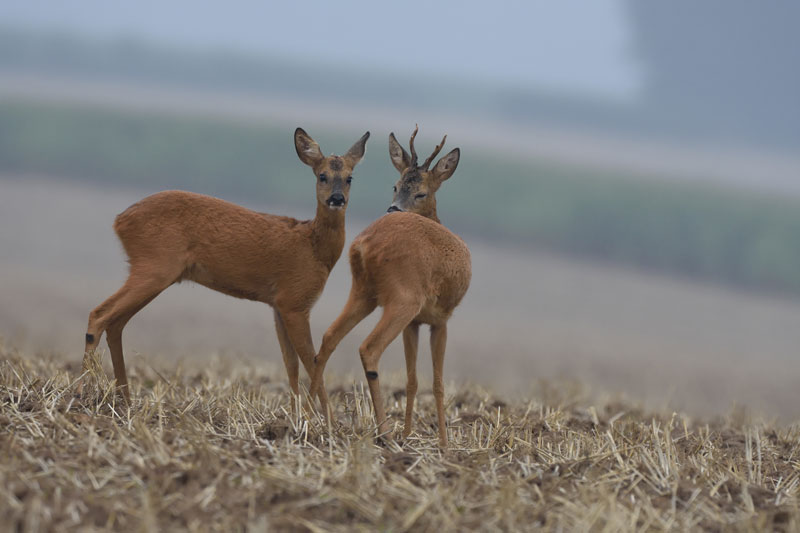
x: 686, y: 230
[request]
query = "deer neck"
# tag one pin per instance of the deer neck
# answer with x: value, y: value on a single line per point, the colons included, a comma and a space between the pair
x: 327, y: 235
x: 432, y: 214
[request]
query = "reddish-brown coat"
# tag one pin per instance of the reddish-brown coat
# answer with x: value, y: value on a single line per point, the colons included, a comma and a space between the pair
x: 416, y: 269
x: 176, y: 235
x: 231, y: 249
x: 421, y: 260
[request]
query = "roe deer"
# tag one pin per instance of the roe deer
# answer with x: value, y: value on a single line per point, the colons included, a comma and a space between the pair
x: 416, y: 269
x: 173, y: 236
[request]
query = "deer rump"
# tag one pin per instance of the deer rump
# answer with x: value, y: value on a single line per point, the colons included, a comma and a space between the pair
x: 407, y: 257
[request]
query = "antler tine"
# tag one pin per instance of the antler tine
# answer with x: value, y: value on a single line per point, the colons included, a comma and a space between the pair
x: 435, y: 153
x: 411, y: 145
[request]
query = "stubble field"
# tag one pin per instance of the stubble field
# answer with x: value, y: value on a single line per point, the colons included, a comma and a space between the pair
x: 219, y: 449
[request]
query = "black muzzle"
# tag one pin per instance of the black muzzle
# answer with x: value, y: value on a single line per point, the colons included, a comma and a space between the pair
x: 336, y: 200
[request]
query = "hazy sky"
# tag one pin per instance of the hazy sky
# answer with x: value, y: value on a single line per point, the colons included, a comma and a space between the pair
x: 567, y: 45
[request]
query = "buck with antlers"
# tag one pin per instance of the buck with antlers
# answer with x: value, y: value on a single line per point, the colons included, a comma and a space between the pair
x: 173, y: 236
x: 416, y: 269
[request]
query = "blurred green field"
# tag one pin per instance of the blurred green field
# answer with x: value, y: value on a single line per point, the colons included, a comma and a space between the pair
x: 685, y: 229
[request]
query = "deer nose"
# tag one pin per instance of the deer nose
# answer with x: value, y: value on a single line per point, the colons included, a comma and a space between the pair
x: 336, y: 198
x: 393, y: 208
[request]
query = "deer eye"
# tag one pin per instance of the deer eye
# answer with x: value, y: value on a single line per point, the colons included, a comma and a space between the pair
x: 323, y: 178
x: 349, y: 180
x: 420, y: 196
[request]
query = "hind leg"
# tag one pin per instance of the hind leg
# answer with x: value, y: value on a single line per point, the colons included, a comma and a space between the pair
x: 355, y: 310
x: 396, y: 317
x: 96, y: 324
x: 114, y: 340
x: 410, y: 344
x: 93, y: 332
x: 438, y: 343
x: 112, y: 315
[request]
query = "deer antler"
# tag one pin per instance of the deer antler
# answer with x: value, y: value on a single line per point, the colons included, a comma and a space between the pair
x: 411, y: 145
x: 434, y: 154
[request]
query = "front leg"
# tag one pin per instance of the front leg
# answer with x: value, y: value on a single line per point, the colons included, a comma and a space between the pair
x: 290, y: 358
x: 299, y: 332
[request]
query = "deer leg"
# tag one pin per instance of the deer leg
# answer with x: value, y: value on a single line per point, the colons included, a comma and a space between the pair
x: 396, y: 316
x: 97, y: 324
x: 438, y: 343
x: 93, y: 332
x: 114, y: 340
x: 410, y: 343
x: 135, y: 293
x: 355, y: 310
x: 290, y: 357
x: 299, y: 333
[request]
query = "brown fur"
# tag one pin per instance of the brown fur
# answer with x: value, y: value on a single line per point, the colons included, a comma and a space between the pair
x: 418, y: 271
x: 176, y: 235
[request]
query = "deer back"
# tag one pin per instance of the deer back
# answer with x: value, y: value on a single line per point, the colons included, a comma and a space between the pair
x: 405, y: 255
x: 221, y: 245
x: 176, y: 235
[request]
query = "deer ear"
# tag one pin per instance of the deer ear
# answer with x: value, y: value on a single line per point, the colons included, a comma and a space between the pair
x: 307, y: 149
x: 356, y: 152
x: 400, y: 158
x: 446, y: 165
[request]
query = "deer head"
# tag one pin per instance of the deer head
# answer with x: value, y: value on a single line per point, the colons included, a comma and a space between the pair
x: 415, y: 191
x: 334, y: 173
